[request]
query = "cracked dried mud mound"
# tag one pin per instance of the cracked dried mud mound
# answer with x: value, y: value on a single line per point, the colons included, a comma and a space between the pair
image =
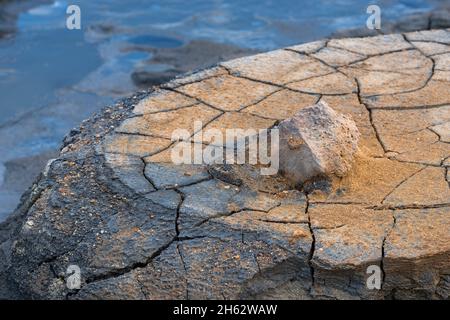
x: 140, y: 227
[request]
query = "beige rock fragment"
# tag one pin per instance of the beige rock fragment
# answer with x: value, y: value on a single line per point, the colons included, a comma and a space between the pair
x: 317, y: 141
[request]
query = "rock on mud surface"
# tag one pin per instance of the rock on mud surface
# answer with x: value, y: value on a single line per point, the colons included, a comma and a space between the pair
x: 317, y: 142
x: 140, y: 228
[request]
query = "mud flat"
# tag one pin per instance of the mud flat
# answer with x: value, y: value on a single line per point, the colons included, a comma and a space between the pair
x: 125, y: 59
x: 140, y: 227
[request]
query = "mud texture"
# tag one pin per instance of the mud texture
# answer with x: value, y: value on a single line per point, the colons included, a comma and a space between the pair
x: 140, y: 227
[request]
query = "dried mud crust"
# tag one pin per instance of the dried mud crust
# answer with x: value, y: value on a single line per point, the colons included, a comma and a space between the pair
x: 140, y: 227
